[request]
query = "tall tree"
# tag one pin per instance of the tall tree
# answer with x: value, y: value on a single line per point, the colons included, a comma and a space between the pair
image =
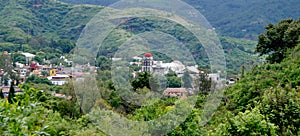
x: 6, y: 64
x: 174, y: 82
x: 187, y: 80
x: 278, y: 38
x: 205, y: 83
x: 243, y: 72
x: 1, y: 94
x: 141, y: 81
x: 11, y: 93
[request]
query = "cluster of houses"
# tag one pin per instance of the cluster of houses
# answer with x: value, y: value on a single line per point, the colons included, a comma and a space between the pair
x: 154, y: 67
x: 57, y: 75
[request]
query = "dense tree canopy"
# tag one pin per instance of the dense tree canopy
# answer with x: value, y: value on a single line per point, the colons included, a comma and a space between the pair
x: 272, y: 91
x: 38, y: 80
x: 278, y: 38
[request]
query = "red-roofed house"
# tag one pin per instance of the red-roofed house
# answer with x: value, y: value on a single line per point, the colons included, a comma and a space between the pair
x: 175, y: 92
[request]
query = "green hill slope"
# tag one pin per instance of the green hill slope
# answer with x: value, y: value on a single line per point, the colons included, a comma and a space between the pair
x: 235, y: 18
x: 238, y: 52
x: 23, y: 19
x: 41, y: 24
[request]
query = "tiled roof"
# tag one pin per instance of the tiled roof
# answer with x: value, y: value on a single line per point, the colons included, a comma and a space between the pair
x: 175, y: 90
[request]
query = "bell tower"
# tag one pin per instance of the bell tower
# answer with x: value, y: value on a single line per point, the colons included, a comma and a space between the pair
x: 147, y: 63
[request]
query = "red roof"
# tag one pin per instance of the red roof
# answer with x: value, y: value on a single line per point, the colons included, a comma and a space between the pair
x: 148, y: 54
x: 34, y: 65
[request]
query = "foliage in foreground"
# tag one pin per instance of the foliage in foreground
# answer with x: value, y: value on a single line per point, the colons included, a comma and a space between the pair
x: 40, y: 113
x: 265, y: 102
x: 278, y: 38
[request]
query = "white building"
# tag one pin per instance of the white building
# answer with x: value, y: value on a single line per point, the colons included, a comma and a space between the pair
x: 59, y: 79
x: 28, y: 57
x: 116, y: 59
x: 19, y: 65
x: 163, y: 68
x: 160, y: 68
x: 214, y: 76
x: 137, y: 58
x: 23, y: 72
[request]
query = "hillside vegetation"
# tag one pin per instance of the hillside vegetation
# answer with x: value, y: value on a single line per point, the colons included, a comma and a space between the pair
x: 235, y: 18
x: 264, y: 102
x: 25, y: 20
x: 50, y: 29
x: 238, y: 51
x: 46, y: 28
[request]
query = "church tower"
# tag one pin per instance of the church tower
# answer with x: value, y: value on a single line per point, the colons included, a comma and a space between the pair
x: 147, y: 63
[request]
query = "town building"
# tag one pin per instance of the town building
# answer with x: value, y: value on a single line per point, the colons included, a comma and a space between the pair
x: 147, y: 63
x: 28, y: 57
x: 177, y: 92
x: 214, y: 76
x: 59, y: 79
x: 160, y: 68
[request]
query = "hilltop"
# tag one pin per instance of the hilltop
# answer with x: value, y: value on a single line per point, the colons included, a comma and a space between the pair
x: 234, y: 18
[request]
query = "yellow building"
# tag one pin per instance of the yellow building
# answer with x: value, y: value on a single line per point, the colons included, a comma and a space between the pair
x: 53, y: 72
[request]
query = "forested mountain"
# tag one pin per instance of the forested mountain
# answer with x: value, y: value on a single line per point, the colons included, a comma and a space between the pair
x: 235, y: 18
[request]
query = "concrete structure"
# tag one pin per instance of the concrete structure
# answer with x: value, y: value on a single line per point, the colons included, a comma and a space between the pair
x: 34, y: 66
x: 116, y: 59
x: 61, y: 95
x: 53, y: 72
